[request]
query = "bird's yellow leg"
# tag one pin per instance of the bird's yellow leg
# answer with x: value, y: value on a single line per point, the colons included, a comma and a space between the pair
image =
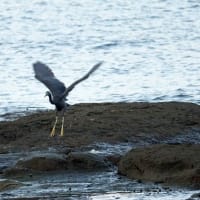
x: 62, y: 127
x: 54, y: 127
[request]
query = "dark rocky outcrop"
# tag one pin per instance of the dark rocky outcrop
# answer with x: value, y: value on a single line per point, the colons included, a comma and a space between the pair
x: 170, y: 164
x: 103, y: 122
x: 42, y: 163
x: 86, y: 161
x: 57, y: 162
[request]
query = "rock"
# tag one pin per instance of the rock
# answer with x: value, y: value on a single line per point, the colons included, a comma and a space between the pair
x: 35, y: 164
x: 54, y: 162
x: 170, y: 164
x: 73, y: 161
x: 102, y: 122
x: 86, y: 161
x: 16, y: 172
x: 9, y: 185
x: 114, y: 159
x: 195, y: 196
x: 43, y: 163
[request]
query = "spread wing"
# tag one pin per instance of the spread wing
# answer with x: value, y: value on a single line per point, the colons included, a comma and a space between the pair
x: 44, y: 74
x: 71, y: 87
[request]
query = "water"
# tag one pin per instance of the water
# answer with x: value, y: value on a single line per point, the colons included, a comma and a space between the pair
x: 85, y: 185
x: 150, y: 48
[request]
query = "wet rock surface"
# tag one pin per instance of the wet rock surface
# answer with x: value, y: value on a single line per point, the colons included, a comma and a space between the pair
x: 56, y: 162
x: 9, y: 185
x: 96, y: 138
x: 86, y: 161
x: 170, y: 164
x: 195, y: 196
x: 42, y: 163
x: 106, y: 122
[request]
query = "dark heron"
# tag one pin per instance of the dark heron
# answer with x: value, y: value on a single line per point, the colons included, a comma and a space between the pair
x: 58, y: 92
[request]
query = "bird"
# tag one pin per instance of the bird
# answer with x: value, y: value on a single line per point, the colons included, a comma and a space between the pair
x: 58, y: 92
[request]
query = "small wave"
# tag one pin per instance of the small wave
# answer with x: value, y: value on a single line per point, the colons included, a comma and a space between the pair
x: 161, y: 98
x: 107, y: 45
x: 181, y: 96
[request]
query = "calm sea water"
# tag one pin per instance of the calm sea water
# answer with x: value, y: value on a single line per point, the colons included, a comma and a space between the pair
x: 151, y: 50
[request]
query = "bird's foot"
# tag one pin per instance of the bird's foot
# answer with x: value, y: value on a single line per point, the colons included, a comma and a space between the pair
x: 52, y: 134
x: 62, y: 131
x: 62, y: 128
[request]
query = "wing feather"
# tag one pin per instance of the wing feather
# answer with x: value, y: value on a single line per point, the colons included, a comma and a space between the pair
x: 44, y: 74
x: 71, y: 87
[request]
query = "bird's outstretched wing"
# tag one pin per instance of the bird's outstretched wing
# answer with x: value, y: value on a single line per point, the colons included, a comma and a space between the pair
x: 71, y: 87
x: 44, y: 74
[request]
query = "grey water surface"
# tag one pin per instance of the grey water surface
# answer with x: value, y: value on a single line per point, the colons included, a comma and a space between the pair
x: 151, y: 50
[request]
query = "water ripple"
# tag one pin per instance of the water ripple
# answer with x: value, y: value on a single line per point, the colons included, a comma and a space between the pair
x: 150, y: 50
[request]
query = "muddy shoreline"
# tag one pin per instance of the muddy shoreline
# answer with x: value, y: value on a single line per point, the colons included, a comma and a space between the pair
x: 98, y: 136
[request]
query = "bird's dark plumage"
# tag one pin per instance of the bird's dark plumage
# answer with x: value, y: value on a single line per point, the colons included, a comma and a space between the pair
x: 44, y: 74
x: 58, y: 91
x: 71, y: 87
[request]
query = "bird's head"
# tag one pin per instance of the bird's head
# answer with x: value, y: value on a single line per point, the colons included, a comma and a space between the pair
x: 50, y: 97
x: 47, y: 93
